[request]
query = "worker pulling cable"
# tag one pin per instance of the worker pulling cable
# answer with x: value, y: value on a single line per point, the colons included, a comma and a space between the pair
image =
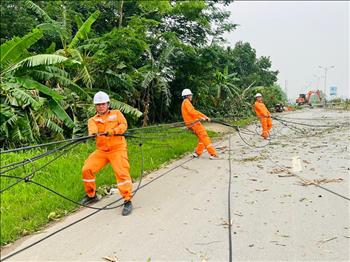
x: 191, y: 115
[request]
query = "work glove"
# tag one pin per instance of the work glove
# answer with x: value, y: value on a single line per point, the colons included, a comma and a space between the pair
x: 110, y: 132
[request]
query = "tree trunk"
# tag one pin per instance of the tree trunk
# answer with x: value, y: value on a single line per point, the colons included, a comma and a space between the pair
x: 146, y: 108
x: 120, y: 21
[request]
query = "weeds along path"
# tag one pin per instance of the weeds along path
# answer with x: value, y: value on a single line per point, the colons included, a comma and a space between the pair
x: 182, y: 215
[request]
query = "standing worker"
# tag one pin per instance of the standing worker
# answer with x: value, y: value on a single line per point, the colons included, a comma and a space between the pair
x: 108, y: 126
x: 265, y: 116
x: 192, y: 119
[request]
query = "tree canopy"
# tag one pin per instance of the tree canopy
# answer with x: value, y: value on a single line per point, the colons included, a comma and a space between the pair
x: 56, y: 54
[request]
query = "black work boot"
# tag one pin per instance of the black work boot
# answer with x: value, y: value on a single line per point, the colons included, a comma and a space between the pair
x: 88, y: 200
x: 127, y: 208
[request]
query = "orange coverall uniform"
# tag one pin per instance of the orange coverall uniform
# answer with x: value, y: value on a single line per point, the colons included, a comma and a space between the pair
x: 265, y: 118
x: 112, y: 149
x: 190, y: 115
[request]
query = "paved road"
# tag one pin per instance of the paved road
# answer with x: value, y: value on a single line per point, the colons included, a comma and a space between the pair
x: 183, y: 215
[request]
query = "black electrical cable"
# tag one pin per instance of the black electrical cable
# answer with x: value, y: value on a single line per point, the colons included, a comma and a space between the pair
x: 239, y: 133
x: 57, y: 231
x: 37, y: 157
x: 296, y: 129
x: 237, y: 128
x: 229, y: 201
x: 256, y: 146
x: 170, y: 125
x: 314, y: 119
x: 26, y: 178
x: 90, y: 207
x: 7, y: 176
x: 93, y: 213
x: 303, y: 124
x: 43, y: 145
x: 331, y: 191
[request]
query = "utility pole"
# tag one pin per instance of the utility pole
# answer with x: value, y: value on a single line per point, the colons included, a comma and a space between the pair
x: 325, y: 68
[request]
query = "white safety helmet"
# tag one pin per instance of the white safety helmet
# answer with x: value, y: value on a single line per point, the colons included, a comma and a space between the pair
x: 186, y: 92
x: 257, y: 95
x: 101, y: 97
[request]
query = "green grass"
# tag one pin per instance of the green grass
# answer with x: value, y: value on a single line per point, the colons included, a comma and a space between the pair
x: 25, y: 208
x: 244, y: 121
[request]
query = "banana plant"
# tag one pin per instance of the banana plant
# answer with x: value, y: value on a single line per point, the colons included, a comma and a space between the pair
x: 156, y: 75
x: 72, y: 48
x: 30, y: 108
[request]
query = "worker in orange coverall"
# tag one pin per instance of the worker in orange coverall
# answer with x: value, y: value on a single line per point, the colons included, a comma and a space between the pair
x: 110, y: 148
x: 192, y: 119
x: 264, y: 114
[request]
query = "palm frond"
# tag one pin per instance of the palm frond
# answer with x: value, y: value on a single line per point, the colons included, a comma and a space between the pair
x: 150, y: 55
x: 15, y: 49
x: 55, y: 28
x: 167, y: 52
x: 34, y: 124
x: 79, y: 22
x: 147, y: 79
x: 125, y: 108
x: 51, y: 125
x: 84, y: 29
x: 43, y: 59
x: 84, y: 72
x: 164, y: 86
x: 246, y: 89
x: 66, y: 21
x: 42, y: 74
x: 25, y: 98
x: 16, y: 134
x: 38, y: 11
x: 48, y: 72
x: 72, y: 86
x: 8, y: 116
x: 51, y: 49
x: 32, y: 84
x: 60, y: 113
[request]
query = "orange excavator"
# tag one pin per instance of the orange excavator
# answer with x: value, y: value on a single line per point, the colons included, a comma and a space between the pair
x: 312, y: 97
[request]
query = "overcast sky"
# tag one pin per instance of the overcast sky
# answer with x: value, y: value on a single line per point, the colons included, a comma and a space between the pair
x: 298, y: 36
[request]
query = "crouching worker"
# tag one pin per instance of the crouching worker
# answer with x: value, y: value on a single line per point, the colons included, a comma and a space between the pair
x: 192, y: 119
x: 111, y: 148
x: 265, y: 116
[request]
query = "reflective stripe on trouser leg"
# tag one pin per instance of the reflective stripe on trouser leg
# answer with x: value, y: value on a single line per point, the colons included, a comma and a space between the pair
x: 200, y: 147
x: 92, y: 165
x: 120, y: 164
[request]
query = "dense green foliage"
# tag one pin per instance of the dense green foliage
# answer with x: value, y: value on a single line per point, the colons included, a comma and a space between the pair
x: 143, y: 53
x: 56, y: 54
